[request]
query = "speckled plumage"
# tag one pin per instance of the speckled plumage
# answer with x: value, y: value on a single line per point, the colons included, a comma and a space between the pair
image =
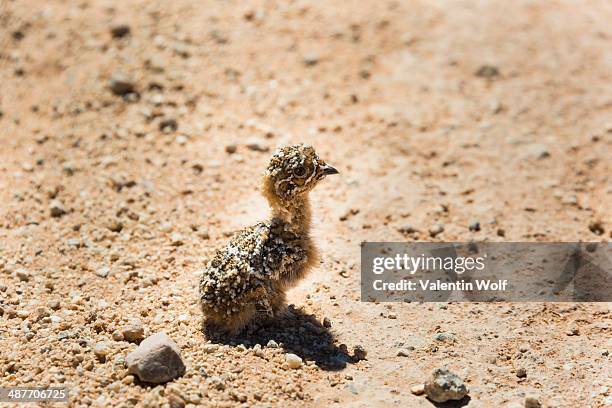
x: 248, y: 278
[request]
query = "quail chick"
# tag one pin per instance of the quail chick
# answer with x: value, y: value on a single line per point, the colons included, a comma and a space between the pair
x: 247, y: 279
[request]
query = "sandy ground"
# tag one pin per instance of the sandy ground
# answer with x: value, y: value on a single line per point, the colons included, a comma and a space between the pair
x: 434, y: 112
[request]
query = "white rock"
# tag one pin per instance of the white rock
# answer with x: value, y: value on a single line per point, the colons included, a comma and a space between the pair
x: 293, y: 361
x: 156, y: 360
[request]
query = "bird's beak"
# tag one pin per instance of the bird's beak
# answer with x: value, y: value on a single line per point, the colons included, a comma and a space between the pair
x: 328, y: 170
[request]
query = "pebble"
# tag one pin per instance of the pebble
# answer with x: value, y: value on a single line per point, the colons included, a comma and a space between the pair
x: 407, y: 229
x: 23, y: 274
x: 359, y: 353
x: 23, y: 314
x: 293, y: 361
x: 257, y: 145
x: 210, y: 348
x: 444, y: 386
x: 596, y: 227
x: 487, y: 71
x: 570, y: 200
x: 523, y: 348
x: 156, y: 360
x: 532, y: 401
x: 231, y: 148
x: 56, y: 208
x: 474, y: 226
x: 121, y: 84
x: 175, y: 401
x: 259, y: 352
x: 42, y: 312
x: 537, y: 151
x: 445, y: 337
x: 327, y: 322
x: 521, y: 372
x: 168, y: 125
x: 100, y: 350
x: 133, y: 331
x: 311, y: 60
x: 272, y: 344
x: 176, y: 239
x: 418, y: 389
x: 436, y: 229
x: 128, y: 379
x: 103, y: 271
x: 120, y: 30
x: 403, y: 353
x: 114, y: 225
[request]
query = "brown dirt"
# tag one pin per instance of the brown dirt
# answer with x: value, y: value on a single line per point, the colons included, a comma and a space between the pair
x: 387, y: 92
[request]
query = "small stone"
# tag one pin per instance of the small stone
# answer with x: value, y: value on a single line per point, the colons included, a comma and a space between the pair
x: 445, y: 337
x: 114, y: 225
x: 156, y: 360
x: 418, y: 389
x: 259, y: 352
x: 133, y: 331
x: 444, y: 386
x: 257, y: 145
x: 216, y: 382
x: 23, y: 274
x: 327, y: 322
x: 596, y: 227
x: 474, y: 226
x: 521, y: 372
x: 537, y: 151
x: 569, y: 200
x: 210, y: 348
x: 175, y: 401
x: 117, y: 335
x: 532, y: 401
x: 120, y: 30
x: 100, y: 350
x: 572, y: 331
x: 23, y: 314
x: 231, y: 148
x: 487, y: 71
x: 176, y: 239
x: 103, y: 271
x: 74, y: 242
x: 436, y: 229
x: 121, y: 85
x: 42, y: 312
x: 56, y: 208
x: 392, y: 315
x: 293, y: 361
x: 168, y: 125
x: 403, y: 352
x: 407, y: 229
x: 359, y: 353
x: 272, y: 344
x: 311, y: 60
x: 523, y: 348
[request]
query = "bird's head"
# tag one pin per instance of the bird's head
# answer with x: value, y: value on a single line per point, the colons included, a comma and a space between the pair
x: 293, y: 171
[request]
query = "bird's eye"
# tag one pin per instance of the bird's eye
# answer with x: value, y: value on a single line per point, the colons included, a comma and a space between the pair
x: 299, y: 171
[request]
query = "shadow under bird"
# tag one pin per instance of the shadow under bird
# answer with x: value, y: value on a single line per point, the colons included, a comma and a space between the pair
x: 247, y: 280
